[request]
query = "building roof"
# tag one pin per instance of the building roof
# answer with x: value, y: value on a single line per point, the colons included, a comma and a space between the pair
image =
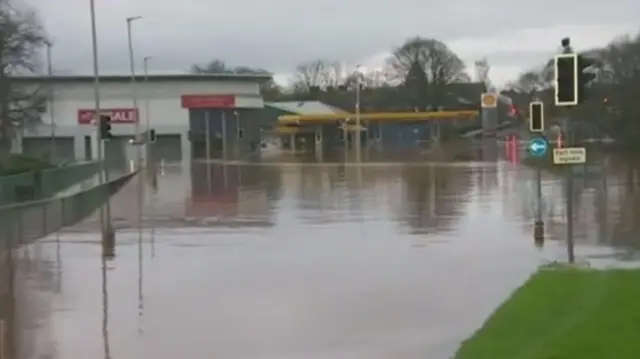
x: 151, y: 78
x: 386, y: 99
x: 305, y: 108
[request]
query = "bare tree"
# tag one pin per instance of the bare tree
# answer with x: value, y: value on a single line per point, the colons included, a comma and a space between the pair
x: 376, y: 78
x: 425, y: 66
x: 269, y: 90
x: 482, y: 68
x: 21, y: 39
x: 439, y: 63
x: 212, y: 67
x: 322, y: 74
x: 529, y: 82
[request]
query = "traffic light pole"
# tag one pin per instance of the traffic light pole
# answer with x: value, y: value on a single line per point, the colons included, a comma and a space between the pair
x: 569, y: 191
x: 571, y: 82
x: 537, y: 127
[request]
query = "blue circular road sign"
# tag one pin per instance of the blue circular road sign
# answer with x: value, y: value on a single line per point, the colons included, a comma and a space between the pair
x: 538, y: 147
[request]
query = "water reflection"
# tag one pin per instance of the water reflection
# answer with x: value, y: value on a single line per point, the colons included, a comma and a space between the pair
x: 105, y: 309
x: 435, y: 197
x: 238, y: 195
x: 290, y: 260
x: 29, y: 281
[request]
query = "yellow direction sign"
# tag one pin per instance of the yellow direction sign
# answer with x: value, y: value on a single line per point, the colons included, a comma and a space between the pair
x: 489, y: 100
x: 569, y: 156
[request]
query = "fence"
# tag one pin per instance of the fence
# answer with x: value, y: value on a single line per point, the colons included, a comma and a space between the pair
x: 25, y: 222
x: 43, y: 184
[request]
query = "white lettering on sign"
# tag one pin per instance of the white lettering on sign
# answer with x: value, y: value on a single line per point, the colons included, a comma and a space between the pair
x: 570, y: 155
x: 118, y: 115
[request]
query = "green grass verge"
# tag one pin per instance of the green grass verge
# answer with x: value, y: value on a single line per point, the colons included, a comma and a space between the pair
x: 564, y: 314
x: 14, y: 164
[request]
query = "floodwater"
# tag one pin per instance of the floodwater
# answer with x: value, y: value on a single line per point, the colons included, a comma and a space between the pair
x: 302, y: 260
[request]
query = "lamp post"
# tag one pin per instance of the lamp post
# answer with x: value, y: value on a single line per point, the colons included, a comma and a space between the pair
x: 357, y: 132
x: 104, y: 211
x: 147, y: 109
x: 134, y: 100
x: 147, y: 116
x: 52, y: 111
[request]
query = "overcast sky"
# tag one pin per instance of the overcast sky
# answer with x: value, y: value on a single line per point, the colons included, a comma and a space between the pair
x: 278, y: 34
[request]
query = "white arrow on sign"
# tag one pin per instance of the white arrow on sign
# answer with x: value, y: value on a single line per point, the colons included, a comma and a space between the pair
x: 536, y: 146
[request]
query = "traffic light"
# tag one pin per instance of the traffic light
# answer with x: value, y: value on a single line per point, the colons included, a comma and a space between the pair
x: 152, y: 135
x: 584, y: 78
x: 105, y: 127
x: 571, y: 80
x: 536, y: 116
x: 566, y: 79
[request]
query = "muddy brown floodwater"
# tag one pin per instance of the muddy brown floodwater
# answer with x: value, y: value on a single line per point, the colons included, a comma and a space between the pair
x: 279, y: 261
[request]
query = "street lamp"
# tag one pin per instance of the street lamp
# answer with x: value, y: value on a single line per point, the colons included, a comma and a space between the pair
x: 133, y: 83
x: 147, y: 115
x: 105, y: 212
x: 146, y: 102
x: 51, y: 100
x: 358, y: 85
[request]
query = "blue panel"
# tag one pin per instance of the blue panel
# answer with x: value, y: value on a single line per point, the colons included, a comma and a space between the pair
x: 405, y: 135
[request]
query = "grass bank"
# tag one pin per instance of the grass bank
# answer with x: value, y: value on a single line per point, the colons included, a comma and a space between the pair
x: 564, y: 313
x: 14, y: 163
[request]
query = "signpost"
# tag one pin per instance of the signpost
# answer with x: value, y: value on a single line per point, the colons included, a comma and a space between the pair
x: 569, y: 156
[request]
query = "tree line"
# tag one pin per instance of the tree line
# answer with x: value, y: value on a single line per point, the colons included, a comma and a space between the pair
x: 438, y: 65
x: 612, y: 107
x: 21, y: 40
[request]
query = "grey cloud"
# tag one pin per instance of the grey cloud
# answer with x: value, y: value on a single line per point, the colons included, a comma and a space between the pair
x: 526, y: 59
x: 278, y: 34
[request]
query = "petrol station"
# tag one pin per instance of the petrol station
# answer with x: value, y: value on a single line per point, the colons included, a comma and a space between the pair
x: 324, y: 130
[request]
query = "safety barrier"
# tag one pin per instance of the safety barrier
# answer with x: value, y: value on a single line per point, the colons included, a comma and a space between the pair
x: 43, y: 184
x: 23, y: 223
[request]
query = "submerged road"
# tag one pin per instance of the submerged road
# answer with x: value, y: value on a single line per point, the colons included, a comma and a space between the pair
x: 296, y: 261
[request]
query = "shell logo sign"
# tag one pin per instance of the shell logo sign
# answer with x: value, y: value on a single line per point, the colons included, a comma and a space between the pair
x: 489, y: 100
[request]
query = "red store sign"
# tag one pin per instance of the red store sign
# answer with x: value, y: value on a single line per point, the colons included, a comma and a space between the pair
x: 118, y: 115
x: 208, y: 101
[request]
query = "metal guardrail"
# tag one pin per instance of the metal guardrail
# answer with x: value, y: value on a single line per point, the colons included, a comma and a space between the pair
x: 23, y: 223
x: 43, y: 184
